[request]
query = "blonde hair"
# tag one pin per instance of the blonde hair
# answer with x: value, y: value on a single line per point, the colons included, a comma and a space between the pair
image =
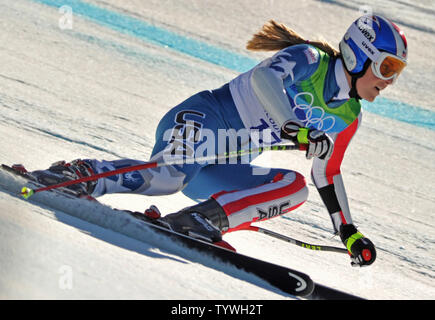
x: 276, y: 36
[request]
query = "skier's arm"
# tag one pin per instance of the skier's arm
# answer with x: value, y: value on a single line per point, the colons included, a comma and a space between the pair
x: 290, y: 65
x: 270, y: 91
x: 326, y: 175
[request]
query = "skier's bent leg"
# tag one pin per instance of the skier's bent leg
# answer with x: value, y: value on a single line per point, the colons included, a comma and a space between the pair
x: 180, y: 132
x: 228, y: 211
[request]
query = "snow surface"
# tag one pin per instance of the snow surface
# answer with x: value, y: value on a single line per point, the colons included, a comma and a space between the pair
x: 96, y: 92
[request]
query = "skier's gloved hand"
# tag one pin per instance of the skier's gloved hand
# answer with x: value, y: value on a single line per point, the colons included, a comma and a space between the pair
x: 362, y: 251
x: 319, y: 144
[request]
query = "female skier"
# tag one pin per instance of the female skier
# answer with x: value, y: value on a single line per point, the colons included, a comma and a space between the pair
x: 307, y: 92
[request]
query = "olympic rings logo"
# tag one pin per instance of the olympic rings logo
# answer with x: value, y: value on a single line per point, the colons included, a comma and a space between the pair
x: 312, y: 116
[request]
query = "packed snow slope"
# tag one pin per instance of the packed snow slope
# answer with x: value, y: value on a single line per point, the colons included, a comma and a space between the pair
x: 96, y: 88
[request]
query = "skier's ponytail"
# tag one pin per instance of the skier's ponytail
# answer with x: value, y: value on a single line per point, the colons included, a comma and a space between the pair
x: 276, y: 36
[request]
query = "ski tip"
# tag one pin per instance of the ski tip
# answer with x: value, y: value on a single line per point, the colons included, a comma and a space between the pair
x: 26, y: 192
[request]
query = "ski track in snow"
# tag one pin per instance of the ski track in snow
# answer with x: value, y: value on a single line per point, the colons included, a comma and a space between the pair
x: 94, y: 92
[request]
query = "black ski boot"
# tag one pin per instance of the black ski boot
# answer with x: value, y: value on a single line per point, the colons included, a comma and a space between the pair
x: 62, y: 171
x: 204, y: 221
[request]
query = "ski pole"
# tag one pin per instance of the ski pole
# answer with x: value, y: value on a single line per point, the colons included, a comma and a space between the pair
x: 27, y: 192
x: 316, y: 247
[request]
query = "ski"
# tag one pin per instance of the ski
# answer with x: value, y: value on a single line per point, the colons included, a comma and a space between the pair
x: 290, y: 281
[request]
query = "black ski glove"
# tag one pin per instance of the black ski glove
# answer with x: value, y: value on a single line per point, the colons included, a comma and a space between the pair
x: 362, y: 251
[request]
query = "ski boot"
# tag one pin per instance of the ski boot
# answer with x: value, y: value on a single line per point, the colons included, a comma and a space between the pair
x: 204, y: 221
x: 62, y: 171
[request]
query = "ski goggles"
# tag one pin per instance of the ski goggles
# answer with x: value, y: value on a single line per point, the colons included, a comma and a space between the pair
x: 388, y: 66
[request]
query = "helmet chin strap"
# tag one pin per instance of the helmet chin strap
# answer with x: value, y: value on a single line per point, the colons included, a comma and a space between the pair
x: 353, y: 93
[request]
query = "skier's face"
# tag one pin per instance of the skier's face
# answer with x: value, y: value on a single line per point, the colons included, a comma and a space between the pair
x: 369, y: 86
